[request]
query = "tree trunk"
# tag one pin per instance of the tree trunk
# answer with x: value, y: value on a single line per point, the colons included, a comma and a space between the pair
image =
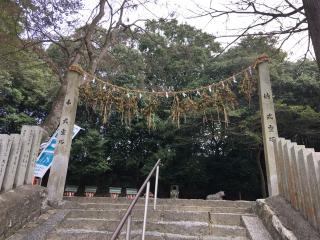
x: 312, y: 10
x: 53, y: 119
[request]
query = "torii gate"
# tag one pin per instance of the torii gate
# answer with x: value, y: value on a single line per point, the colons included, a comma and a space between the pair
x: 59, y: 167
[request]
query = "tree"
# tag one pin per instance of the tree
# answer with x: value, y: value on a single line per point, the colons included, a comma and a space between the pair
x: 288, y: 17
x: 200, y: 154
x: 27, y: 84
x: 51, y: 22
x: 27, y: 87
x: 178, y: 55
x: 312, y: 12
x: 88, y: 157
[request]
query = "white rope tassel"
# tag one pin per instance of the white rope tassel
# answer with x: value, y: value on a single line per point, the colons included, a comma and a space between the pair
x: 184, y: 95
x: 210, y: 90
x: 104, y: 87
x: 167, y: 95
x: 140, y: 95
x: 94, y: 80
x: 234, y: 79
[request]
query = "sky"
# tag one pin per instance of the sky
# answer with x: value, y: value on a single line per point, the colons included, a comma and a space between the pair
x: 185, y: 10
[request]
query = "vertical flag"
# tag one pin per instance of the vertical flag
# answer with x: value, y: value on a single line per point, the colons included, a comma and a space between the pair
x: 44, y: 160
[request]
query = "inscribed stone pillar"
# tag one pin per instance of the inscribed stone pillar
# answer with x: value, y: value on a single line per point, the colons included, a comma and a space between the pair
x: 12, y: 162
x: 59, y: 166
x: 285, y: 170
x: 317, y: 156
x: 278, y: 159
x: 26, y: 142
x: 38, y: 133
x: 299, y: 181
x: 269, y: 124
x: 294, y: 166
x: 313, y: 169
x: 282, y: 184
x: 5, y: 147
x: 289, y: 171
x: 307, y: 195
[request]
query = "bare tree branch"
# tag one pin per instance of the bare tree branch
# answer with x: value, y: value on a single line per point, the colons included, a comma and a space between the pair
x: 267, y: 19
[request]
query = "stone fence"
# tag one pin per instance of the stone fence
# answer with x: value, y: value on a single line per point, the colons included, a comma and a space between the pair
x: 18, y: 153
x: 298, y: 173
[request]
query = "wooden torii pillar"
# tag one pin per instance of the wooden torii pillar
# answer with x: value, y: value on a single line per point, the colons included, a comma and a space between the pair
x: 269, y: 123
x: 59, y: 168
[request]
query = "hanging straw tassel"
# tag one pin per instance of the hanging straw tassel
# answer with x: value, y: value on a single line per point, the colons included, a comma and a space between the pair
x: 226, y: 120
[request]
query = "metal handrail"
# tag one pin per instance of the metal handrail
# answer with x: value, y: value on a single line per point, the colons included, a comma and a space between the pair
x: 133, y: 203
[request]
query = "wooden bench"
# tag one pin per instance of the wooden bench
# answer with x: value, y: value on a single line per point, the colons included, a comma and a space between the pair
x: 131, y: 193
x: 90, y: 191
x: 70, y: 190
x: 114, y: 192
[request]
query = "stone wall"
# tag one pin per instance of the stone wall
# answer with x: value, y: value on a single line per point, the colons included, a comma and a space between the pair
x: 19, y: 206
x: 283, y: 222
x: 298, y: 172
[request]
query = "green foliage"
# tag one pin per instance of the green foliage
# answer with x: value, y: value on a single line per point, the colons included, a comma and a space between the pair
x: 89, y: 154
x: 203, y: 156
x: 26, y: 91
x: 177, y: 55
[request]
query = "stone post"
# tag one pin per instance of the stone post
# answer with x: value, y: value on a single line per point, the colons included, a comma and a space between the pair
x: 269, y: 124
x: 39, y: 133
x: 313, y: 168
x: 13, y: 162
x: 298, y: 177
x: 26, y: 142
x: 5, y: 147
x: 59, y: 166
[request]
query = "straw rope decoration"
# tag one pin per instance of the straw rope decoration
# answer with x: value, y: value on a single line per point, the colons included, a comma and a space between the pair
x: 219, y: 98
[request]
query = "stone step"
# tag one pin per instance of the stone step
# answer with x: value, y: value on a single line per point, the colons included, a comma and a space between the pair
x: 41, y: 227
x: 215, y: 218
x: 175, y: 227
x: 121, y: 206
x: 166, y: 201
x: 255, y: 228
x: 81, y: 234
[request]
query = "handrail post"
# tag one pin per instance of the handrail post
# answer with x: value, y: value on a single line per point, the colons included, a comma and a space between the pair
x: 128, y: 233
x: 156, y: 189
x: 133, y: 203
x: 145, y: 211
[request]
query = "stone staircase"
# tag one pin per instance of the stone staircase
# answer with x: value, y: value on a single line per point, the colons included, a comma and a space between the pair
x: 97, y: 218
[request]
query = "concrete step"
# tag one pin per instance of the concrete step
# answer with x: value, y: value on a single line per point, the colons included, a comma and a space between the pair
x: 121, y: 206
x: 166, y: 201
x: 41, y: 227
x: 80, y: 234
x: 166, y: 215
x: 175, y: 227
x: 97, y: 218
x: 255, y: 228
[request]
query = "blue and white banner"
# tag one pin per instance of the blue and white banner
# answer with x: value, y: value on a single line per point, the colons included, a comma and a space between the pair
x: 44, y: 160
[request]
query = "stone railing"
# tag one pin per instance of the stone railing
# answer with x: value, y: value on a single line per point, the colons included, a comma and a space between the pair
x: 18, y: 153
x: 298, y: 173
